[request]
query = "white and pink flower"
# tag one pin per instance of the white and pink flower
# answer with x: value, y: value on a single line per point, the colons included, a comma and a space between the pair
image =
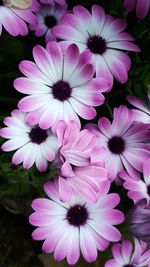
x: 69, y: 229
x: 14, y: 20
x: 141, y: 6
x: 33, y: 144
x: 125, y: 141
x: 59, y: 86
x: 46, y: 18
x: 138, y: 189
x: 127, y: 255
x: 80, y: 161
x: 101, y: 35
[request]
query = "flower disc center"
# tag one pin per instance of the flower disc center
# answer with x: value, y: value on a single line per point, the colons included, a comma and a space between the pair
x: 61, y: 90
x: 97, y: 44
x: 116, y: 145
x: 77, y: 215
x: 37, y: 135
x: 129, y: 265
x: 148, y: 189
x: 50, y: 21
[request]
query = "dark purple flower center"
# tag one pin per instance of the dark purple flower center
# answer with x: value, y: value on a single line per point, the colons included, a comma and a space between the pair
x: 116, y: 145
x: 97, y: 44
x: 129, y: 265
x: 77, y: 215
x: 148, y: 189
x: 50, y: 21
x: 38, y: 135
x: 61, y: 90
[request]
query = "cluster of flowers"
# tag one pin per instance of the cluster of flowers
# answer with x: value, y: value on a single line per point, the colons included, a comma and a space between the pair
x: 66, y: 81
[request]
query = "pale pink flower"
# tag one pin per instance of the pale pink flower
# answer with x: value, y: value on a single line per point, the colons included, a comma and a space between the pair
x: 81, y: 168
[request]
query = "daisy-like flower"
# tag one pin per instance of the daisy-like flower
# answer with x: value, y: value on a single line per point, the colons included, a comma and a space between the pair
x: 53, y: 2
x: 33, y: 144
x: 127, y: 255
x: 47, y: 17
x: 126, y: 142
x: 59, y: 86
x: 103, y: 36
x: 14, y: 20
x: 69, y: 228
x: 138, y: 220
x: 141, y: 6
x: 142, y: 112
x: 80, y: 162
x: 138, y: 189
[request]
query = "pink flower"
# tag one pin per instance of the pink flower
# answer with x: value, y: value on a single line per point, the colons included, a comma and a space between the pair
x: 80, y: 162
x: 76, y: 227
x: 14, y: 20
x: 127, y: 255
x: 103, y: 36
x: 59, y: 86
x: 33, y: 144
x: 47, y: 17
x: 138, y: 189
x: 141, y: 6
x: 53, y: 2
x: 142, y: 113
x: 125, y: 142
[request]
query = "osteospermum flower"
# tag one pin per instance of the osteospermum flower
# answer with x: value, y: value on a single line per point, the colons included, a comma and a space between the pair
x: 142, y: 112
x: 103, y: 36
x: 125, y: 142
x: 14, y: 20
x: 127, y: 255
x: 138, y: 189
x: 76, y: 227
x: 33, y: 144
x: 59, y: 86
x: 141, y: 6
x: 138, y: 220
x: 47, y: 17
x: 81, y: 168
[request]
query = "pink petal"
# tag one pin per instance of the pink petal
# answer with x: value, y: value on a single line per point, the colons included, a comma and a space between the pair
x: 142, y: 8
x: 65, y: 190
x: 56, y: 56
x: 70, y: 61
x: 87, y: 244
x: 82, y: 110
